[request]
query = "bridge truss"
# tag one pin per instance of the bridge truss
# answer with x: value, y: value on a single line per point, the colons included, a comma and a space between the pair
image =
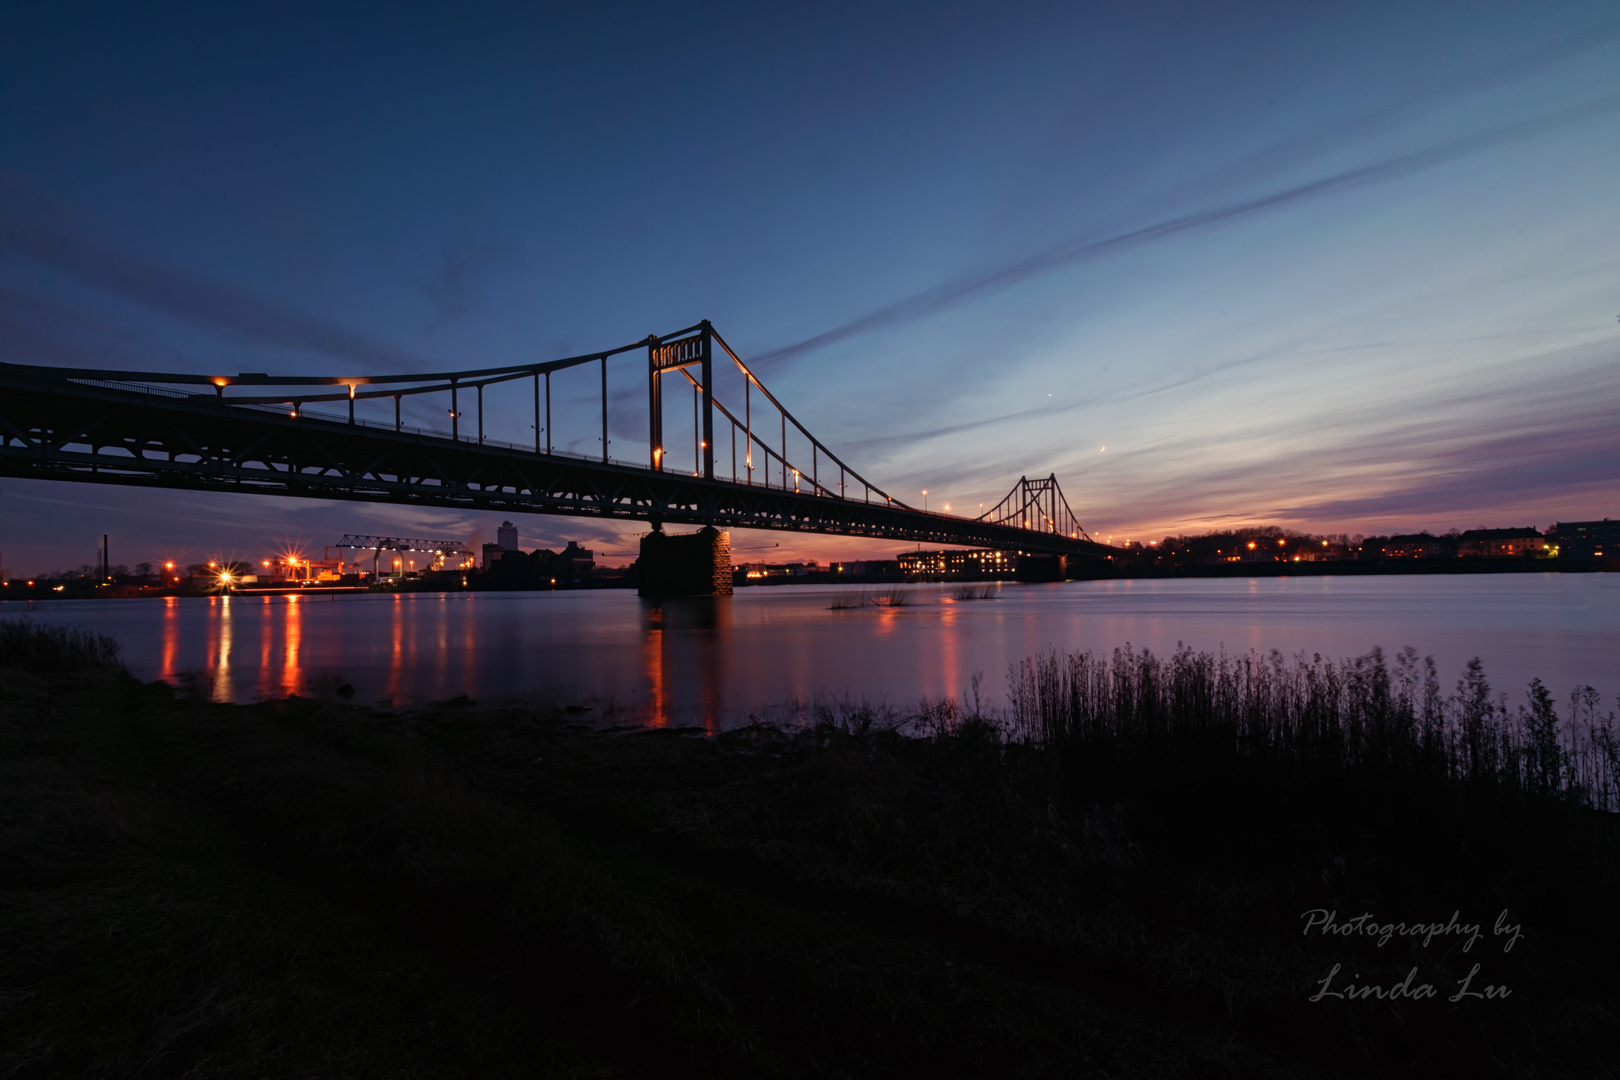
x: 257, y: 433
x: 443, y: 552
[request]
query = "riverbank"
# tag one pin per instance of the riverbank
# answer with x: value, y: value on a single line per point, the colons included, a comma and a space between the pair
x: 304, y: 887
x: 1110, y: 570
x: 1341, y: 568
x: 1078, y: 570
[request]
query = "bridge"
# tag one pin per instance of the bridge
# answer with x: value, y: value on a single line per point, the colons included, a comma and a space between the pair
x: 749, y: 464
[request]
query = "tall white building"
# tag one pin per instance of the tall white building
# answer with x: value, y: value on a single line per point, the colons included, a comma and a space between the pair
x: 507, y: 536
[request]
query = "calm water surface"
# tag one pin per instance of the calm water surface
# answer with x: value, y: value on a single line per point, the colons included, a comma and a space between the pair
x: 768, y: 652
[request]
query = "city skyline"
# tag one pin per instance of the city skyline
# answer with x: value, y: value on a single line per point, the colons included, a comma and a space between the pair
x: 1335, y: 271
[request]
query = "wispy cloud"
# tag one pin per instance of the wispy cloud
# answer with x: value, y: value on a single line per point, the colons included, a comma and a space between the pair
x: 1080, y: 249
x: 35, y: 330
x: 27, y: 230
x: 452, y: 290
x: 1462, y: 451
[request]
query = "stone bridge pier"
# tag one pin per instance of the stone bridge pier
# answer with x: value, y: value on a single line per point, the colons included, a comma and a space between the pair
x: 1042, y: 567
x: 689, y: 564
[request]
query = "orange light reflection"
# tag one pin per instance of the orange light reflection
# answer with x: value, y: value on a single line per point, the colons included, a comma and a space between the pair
x: 292, y: 676
x: 171, y: 639
x: 652, y: 656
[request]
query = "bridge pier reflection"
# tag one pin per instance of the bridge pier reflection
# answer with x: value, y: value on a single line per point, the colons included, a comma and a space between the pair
x: 684, y: 647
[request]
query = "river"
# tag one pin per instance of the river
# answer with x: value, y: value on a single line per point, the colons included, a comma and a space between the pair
x: 770, y: 652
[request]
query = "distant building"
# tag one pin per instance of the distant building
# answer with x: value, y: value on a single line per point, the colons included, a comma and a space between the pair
x: 539, y: 569
x: 865, y: 568
x: 1320, y: 551
x: 578, y: 561
x: 507, y: 536
x: 755, y: 571
x: 1501, y: 543
x: 1588, y: 541
x: 957, y: 563
x: 1416, y: 546
x: 1252, y: 551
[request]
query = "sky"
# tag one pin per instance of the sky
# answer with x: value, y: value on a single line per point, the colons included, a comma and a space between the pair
x: 1340, y: 268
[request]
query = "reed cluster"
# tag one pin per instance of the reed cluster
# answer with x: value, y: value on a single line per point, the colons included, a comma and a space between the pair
x: 1361, y: 712
x: 887, y: 598
x: 53, y: 648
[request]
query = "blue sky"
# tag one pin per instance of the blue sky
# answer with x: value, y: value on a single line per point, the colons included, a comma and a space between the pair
x: 1347, y: 268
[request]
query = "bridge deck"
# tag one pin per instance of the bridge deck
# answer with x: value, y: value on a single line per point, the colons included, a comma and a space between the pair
x: 52, y: 428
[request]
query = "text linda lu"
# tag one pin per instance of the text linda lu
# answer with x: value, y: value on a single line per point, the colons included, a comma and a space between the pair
x: 1326, y: 923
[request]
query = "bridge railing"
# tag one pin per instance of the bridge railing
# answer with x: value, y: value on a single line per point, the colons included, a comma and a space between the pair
x: 1033, y: 505
x: 774, y: 468
x: 337, y: 418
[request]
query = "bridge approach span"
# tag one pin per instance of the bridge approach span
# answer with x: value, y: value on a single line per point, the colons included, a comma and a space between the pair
x: 91, y: 427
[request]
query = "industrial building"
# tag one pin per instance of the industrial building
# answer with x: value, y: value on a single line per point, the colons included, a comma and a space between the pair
x: 958, y: 563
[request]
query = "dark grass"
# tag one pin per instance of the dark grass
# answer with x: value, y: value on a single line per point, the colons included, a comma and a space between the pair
x: 305, y: 888
x: 53, y: 648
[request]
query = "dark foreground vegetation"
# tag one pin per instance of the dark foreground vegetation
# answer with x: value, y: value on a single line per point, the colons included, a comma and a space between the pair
x: 1111, y: 878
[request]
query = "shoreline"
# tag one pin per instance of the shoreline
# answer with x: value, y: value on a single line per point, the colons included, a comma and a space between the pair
x: 1079, y: 572
x: 317, y: 888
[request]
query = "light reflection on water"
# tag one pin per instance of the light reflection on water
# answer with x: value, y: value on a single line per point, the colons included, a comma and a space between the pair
x: 770, y: 652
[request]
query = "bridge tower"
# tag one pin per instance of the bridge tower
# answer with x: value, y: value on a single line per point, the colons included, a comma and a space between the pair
x: 693, y: 564
x: 664, y: 357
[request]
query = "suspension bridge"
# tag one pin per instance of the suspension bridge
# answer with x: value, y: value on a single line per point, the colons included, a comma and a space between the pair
x: 750, y: 463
